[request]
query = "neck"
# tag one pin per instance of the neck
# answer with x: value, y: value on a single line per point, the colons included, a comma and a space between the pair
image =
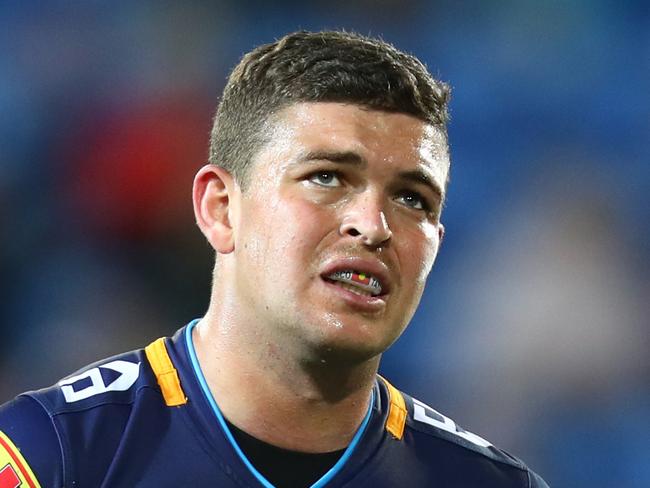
x: 304, y: 403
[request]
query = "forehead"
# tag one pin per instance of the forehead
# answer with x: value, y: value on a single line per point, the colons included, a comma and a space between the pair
x: 393, y: 140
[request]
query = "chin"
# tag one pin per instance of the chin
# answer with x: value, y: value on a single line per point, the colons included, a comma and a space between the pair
x: 351, y: 337
x: 347, y: 345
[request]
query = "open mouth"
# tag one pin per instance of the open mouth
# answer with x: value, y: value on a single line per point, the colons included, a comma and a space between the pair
x: 363, y: 284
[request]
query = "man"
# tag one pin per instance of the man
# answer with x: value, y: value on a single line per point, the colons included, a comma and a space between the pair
x: 322, y: 199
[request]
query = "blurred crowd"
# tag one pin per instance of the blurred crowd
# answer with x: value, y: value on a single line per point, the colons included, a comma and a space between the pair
x: 533, y: 331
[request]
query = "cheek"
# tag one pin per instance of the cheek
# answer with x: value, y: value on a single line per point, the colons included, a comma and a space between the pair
x: 420, y: 250
x: 285, y: 233
x: 300, y: 225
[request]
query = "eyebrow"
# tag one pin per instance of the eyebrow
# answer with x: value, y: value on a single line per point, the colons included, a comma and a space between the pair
x: 343, y: 157
x: 421, y: 177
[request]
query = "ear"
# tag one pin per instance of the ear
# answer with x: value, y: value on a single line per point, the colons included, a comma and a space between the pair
x: 441, y: 233
x: 216, y: 195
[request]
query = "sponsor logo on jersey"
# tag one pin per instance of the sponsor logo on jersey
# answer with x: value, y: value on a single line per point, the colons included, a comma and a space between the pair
x: 14, y: 470
x: 91, y: 382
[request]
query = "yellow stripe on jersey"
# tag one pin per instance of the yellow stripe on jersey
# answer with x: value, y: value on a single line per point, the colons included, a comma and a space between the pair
x: 397, y: 411
x: 165, y: 372
x: 14, y: 470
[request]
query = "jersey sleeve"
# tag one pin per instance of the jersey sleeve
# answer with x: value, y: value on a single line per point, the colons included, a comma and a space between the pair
x: 30, y: 451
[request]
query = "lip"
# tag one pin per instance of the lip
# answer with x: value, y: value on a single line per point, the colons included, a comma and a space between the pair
x: 372, y: 267
x: 360, y: 302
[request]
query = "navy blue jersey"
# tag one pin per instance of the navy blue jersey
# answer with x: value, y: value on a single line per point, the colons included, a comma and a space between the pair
x: 147, y: 419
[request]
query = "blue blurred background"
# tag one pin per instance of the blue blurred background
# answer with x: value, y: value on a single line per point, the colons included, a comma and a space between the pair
x: 533, y: 331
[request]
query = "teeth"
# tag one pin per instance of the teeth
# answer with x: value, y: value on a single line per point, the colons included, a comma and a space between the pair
x: 360, y: 283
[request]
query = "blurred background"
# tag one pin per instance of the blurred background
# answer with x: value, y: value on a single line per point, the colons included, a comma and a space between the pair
x: 533, y: 331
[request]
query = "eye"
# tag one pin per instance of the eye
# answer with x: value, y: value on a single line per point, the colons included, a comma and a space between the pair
x: 413, y: 200
x: 325, y: 178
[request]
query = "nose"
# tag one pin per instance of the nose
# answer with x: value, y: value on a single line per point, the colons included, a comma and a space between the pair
x: 365, y: 220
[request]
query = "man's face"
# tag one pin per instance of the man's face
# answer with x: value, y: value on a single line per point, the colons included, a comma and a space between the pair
x: 339, y: 227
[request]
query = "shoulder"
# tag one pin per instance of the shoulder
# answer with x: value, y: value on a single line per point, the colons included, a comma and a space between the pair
x: 48, y: 426
x: 467, y: 455
x: 433, y: 424
x: 436, y: 428
x: 112, y: 381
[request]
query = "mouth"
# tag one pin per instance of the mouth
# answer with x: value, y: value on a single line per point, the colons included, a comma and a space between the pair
x: 357, y: 282
x: 363, y: 283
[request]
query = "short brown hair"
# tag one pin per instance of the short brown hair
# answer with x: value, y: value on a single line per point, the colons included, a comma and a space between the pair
x: 328, y: 66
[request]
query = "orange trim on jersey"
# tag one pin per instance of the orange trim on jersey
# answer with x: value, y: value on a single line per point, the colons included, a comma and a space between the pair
x: 397, y: 412
x: 165, y: 372
x: 10, y: 456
